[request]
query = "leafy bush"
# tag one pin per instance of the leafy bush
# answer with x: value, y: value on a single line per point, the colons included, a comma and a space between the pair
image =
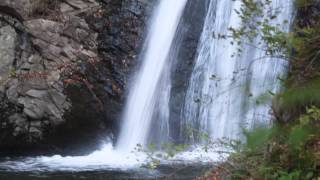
x: 291, y: 149
x: 290, y: 152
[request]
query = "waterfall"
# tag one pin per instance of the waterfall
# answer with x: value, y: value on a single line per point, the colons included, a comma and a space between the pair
x: 144, y: 98
x: 148, y: 101
x: 222, y: 97
x: 224, y: 91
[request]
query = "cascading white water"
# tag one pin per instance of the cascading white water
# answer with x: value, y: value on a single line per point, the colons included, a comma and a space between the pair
x: 148, y: 98
x: 143, y: 95
x: 221, y: 97
x: 224, y: 91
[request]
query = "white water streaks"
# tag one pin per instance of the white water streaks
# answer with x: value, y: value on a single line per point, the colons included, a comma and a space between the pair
x: 140, y: 107
x: 217, y: 78
x: 223, y: 93
x: 142, y: 98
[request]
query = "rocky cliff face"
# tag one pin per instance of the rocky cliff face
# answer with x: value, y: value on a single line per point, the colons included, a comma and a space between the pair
x: 63, y: 70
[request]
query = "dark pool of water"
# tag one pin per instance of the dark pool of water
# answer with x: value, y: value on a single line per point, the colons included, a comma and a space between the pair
x: 183, y: 172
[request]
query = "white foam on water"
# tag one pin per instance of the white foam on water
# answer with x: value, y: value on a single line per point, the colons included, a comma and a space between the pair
x: 110, y: 159
x: 106, y: 158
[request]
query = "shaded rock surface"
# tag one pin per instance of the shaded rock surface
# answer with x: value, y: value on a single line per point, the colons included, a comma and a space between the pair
x: 190, y: 32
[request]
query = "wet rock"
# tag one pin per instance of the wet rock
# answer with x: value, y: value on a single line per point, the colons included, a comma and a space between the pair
x: 33, y: 108
x: 8, y: 38
x: 19, y: 124
x: 36, y: 93
x: 190, y: 31
x: 64, y: 7
x: 77, y: 4
x: 20, y: 6
x: 121, y: 32
x: 18, y: 120
x: 66, y: 66
x: 35, y: 132
x: 58, y: 98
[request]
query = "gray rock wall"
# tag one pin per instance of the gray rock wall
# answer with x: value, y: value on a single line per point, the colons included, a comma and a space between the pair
x: 64, y: 66
x: 190, y: 32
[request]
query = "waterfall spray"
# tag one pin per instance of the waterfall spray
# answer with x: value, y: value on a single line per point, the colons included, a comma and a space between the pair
x: 224, y: 89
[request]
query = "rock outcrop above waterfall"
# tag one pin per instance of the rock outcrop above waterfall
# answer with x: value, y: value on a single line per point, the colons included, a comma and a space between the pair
x: 63, y: 70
